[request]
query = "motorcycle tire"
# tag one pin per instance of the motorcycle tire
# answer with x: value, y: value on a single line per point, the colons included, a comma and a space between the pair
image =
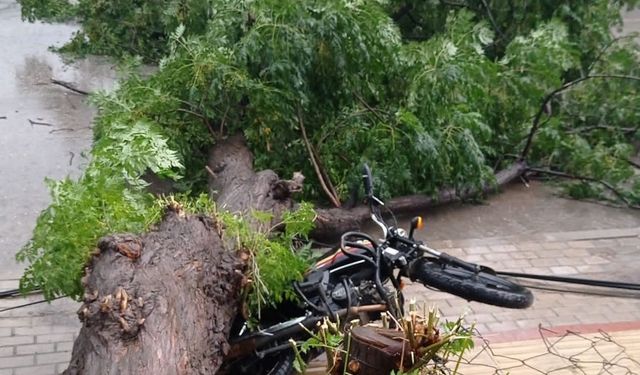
x: 283, y: 364
x: 481, y: 287
x: 276, y: 364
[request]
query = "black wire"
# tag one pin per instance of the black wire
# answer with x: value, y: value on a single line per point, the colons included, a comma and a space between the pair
x: 358, y: 234
x: 9, y: 293
x: 573, y: 280
x: 16, y: 292
x: 30, y: 304
x: 325, y: 300
x: 588, y: 293
x: 395, y: 221
x: 305, y: 299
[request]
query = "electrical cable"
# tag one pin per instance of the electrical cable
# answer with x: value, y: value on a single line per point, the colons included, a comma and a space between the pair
x: 583, y: 292
x: 572, y: 280
x: 30, y: 304
x: 9, y: 293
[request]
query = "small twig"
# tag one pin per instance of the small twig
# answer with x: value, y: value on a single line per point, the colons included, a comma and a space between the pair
x: 206, y: 167
x: 202, y: 117
x: 325, y: 176
x: 3, y: 117
x: 39, y: 123
x: 369, y: 108
x: 334, y: 200
x: 607, y: 185
x: 61, y: 130
x: 71, y: 158
x: 224, y: 120
x: 493, y: 21
x: 536, y: 121
x: 606, y: 47
x: 69, y: 86
x: 627, y: 131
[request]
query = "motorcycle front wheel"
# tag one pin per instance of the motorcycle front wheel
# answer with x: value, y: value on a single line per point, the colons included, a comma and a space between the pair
x: 482, y: 287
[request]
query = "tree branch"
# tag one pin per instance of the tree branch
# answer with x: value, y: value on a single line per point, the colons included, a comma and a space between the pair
x: 552, y: 94
x: 606, y: 47
x: 331, y: 194
x: 69, y: 86
x: 369, y: 108
x: 331, y: 222
x: 607, y: 185
x: 633, y: 163
x: 493, y: 21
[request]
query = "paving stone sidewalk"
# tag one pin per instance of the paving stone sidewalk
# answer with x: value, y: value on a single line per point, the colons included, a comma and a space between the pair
x: 612, y: 254
x: 36, y: 340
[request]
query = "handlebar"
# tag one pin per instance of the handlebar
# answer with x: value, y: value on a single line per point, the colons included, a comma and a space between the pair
x: 367, y: 179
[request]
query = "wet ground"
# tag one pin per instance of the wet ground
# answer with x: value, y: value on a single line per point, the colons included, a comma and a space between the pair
x: 32, y: 152
x: 52, y: 148
x: 523, y: 212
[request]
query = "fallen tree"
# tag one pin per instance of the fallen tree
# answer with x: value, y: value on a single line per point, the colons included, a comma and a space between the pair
x: 163, y: 302
x: 321, y: 87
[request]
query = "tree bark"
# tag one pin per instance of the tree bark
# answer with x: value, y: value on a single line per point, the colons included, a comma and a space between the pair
x: 163, y: 302
x: 159, y: 303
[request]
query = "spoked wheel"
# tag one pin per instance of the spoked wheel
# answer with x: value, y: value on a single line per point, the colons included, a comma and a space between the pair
x: 482, y: 287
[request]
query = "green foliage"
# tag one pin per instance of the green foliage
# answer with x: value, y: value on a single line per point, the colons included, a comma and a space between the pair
x: 123, y: 27
x: 108, y: 198
x: 426, y: 338
x: 275, y: 257
x: 430, y: 94
x: 48, y: 10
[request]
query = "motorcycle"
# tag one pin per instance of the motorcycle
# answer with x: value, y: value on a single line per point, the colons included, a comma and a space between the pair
x: 361, y: 278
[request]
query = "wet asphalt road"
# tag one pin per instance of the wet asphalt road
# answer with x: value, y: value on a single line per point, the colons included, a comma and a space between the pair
x: 29, y: 153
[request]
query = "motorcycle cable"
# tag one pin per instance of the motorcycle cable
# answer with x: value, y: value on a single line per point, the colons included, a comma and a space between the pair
x: 317, y: 308
x: 347, y: 290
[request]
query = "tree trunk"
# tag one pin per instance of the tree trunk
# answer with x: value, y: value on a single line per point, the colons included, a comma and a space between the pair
x: 160, y: 303
x: 331, y: 223
x: 163, y: 302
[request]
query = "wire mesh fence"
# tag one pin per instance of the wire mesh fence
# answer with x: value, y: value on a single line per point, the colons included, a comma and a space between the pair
x: 567, y: 352
x: 552, y: 352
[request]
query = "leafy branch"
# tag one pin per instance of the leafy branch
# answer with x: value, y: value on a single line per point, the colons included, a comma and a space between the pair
x: 545, y: 103
x: 605, y: 184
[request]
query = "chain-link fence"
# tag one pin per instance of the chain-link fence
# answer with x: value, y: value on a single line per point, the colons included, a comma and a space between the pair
x: 556, y: 353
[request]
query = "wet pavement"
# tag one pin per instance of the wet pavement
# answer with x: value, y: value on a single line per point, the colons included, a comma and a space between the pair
x: 32, y: 152
x: 521, y: 211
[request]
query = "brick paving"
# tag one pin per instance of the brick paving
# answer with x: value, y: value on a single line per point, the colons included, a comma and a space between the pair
x: 38, y: 339
x: 603, y: 254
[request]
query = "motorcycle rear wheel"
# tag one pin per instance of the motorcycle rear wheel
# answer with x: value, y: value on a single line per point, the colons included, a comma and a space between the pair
x: 276, y: 364
x: 481, y: 287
